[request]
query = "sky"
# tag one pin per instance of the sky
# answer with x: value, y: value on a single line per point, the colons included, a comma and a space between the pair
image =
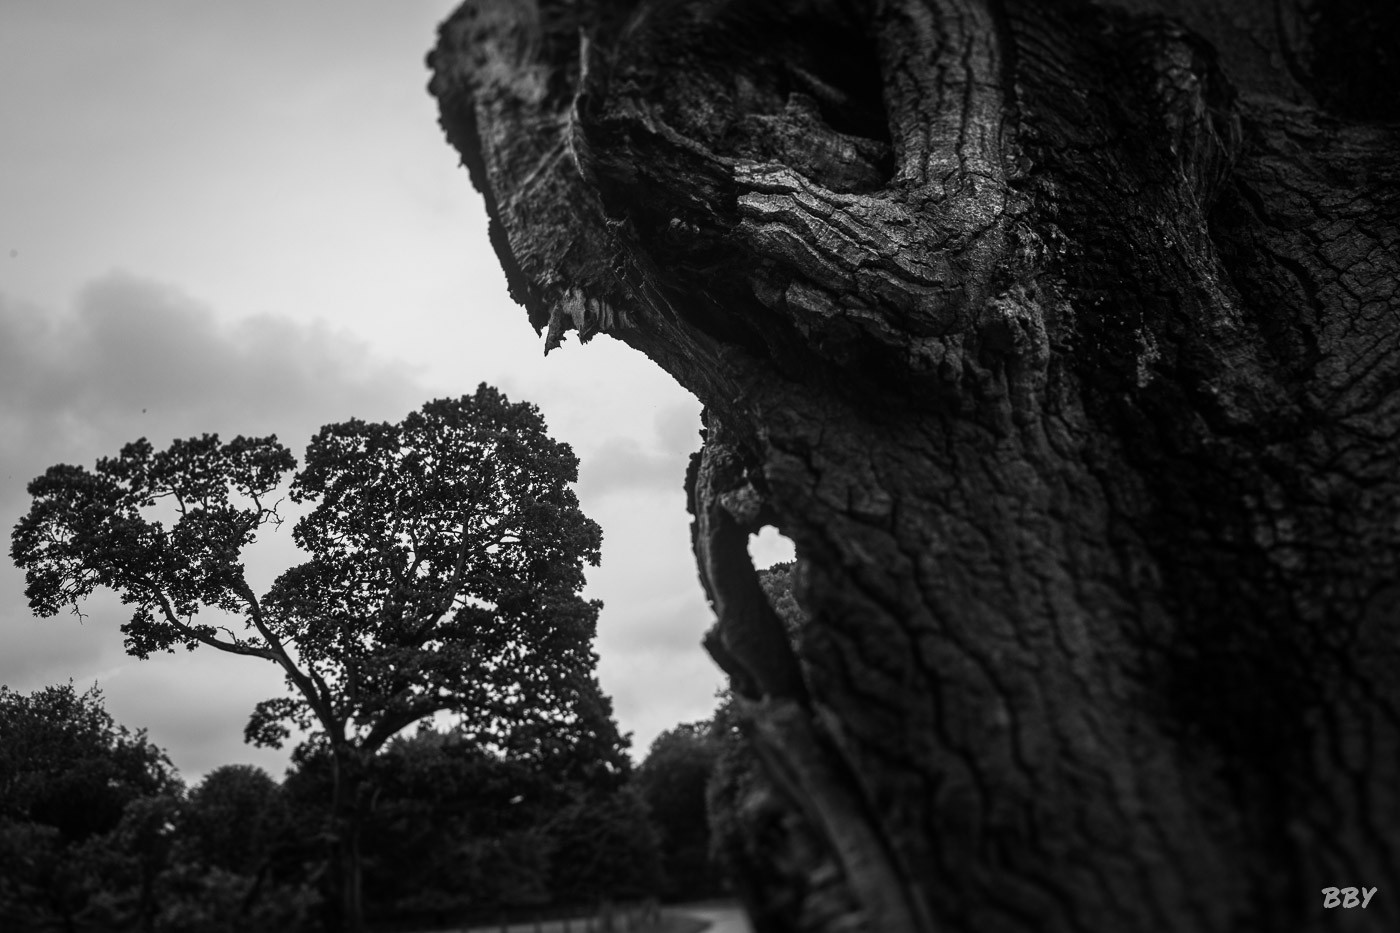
x: 244, y: 219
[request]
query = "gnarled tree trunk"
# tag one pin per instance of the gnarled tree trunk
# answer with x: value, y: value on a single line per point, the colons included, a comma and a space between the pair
x: 1063, y: 339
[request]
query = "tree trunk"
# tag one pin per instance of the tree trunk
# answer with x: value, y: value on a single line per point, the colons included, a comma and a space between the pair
x: 1063, y: 339
x: 347, y: 870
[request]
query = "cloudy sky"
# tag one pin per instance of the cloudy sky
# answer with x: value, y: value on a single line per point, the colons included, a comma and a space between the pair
x: 242, y: 218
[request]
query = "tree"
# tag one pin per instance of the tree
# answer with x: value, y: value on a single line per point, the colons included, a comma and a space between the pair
x: 238, y: 863
x: 456, y: 833
x: 74, y: 786
x: 452, y: 828
x: 1061, y: 338
x: 65, y: 763
x: 603, y: 847
x: 232, y: 818
x: 673, y: 780
x: 445, y: 560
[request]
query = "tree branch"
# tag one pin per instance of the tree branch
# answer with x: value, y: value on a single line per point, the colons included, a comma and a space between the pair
x: 319, y: 701
x: 232, y: 647
x: 391, y: 724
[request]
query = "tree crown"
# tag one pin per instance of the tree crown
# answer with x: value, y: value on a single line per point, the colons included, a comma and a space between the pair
x: 64, y: 762
x: 445, y: 556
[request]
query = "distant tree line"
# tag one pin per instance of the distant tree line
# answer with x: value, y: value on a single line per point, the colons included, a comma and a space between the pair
x: 97, y: 832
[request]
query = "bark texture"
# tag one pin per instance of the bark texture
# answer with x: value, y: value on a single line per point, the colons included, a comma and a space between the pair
x: 1063, y: 339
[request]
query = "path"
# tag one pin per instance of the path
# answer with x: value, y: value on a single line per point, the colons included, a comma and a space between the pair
x: 723, y: 918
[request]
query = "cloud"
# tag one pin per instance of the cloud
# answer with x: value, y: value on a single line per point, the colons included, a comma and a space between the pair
x: 678, y: 427
x: 195, y: 705
x: 770, y: 546
x: 136, y: 358
x: 654, y: 666
x: 621, y: 464
x: 132, y: 357
x: 654, y: 616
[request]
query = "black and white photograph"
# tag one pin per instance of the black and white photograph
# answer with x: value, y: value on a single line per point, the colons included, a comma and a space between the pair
x: 657, y: 466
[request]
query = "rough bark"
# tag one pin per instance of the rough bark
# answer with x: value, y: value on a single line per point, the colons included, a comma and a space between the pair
x: 1063, y: 339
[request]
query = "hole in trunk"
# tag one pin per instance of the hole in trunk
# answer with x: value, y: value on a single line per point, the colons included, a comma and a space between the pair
x: 770, y: 546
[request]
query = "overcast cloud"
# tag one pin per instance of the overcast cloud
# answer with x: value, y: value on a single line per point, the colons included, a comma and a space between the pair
x: 134, y: 358
x: 302, y: 247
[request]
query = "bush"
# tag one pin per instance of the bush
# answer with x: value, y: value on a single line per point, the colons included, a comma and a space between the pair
x: 201, y: 899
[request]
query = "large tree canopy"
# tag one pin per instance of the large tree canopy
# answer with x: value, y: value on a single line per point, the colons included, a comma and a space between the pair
x: 1063, y: 340
x: 445, y: 557
x: 445, y: 560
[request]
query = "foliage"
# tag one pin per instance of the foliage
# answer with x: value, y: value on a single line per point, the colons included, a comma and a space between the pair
x: 453, y: 830
x: 605, y: 848
x: 204, y: 899
x: 446, y: 553
x: 238, y: 863
x: 122, y: 868
x: 65, y: 763
x: 777, y: 582
x: 232, y: 819
x: 229, y: 816
x: 672, y: 781
x: 85, y: 810
x: 750, y: 821
x: 436, y: 810
x: 694, y: 773
x: 97, y: 834
x: 445, y: 556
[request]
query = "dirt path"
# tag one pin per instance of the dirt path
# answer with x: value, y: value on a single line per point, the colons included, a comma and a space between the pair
x: 723, y: 918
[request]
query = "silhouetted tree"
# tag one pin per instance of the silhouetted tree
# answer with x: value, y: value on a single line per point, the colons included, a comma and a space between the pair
x: 452, y: 829
x: 84, y: 810
x: 445, y: 560
x: 603, y: 846
x: 673, y: 780
x: 232, y: 818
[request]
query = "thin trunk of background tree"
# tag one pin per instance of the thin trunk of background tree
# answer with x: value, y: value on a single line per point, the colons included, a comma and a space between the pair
x: 1063, y: 340
x: 347, y: 824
